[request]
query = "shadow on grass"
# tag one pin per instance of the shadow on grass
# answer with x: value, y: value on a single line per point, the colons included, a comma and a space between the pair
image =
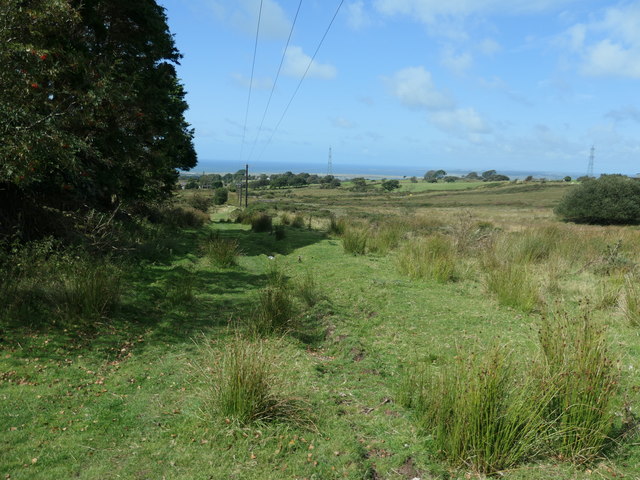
x: 166, y: 298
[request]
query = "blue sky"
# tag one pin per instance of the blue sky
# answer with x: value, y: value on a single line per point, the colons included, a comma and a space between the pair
x: 457, y: 84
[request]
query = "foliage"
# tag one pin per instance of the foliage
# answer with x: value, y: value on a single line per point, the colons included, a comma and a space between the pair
x: 200, y: 201
x: 275, y: 312
x: 261, y: 222
x: 608, y: 200
x: 220, y: 196
x: 390, y: 185
x: 513, y: 285
x: 92, y: 107
x: 359, y: 184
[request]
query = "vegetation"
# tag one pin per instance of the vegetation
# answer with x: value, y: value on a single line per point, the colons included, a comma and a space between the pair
x: 608, y: 200
x: 139, y: 354
x: 92, y: 112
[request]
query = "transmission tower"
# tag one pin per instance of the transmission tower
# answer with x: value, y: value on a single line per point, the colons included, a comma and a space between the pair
x: 592, y: 156
x: 330, y: 163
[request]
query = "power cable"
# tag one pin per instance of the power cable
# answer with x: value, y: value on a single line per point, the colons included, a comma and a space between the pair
x: 253, y: 65
x: 302, y: 79
x: 284, y: 53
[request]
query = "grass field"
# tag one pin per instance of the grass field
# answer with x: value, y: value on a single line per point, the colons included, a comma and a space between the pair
x: 301, y: 360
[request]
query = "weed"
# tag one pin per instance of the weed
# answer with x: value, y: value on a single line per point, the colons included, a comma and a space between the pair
x: 275, y: 312
x: 337, y: 226
x: 308, y: 291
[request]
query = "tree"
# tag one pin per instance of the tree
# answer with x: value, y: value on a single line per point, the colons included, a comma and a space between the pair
x: 220, y: 196
x: 390, y: 185
x: 434, y: 175
x: 567, y: 178
x: 93, y: 112
x: 472, y: 176
x: 359, y: 184
x: 488, y: 174
x: 608, y: 200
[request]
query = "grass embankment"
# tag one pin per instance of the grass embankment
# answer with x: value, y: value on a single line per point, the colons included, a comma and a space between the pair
x: 174, y: 380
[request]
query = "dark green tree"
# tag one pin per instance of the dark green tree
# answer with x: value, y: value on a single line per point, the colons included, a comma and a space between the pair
x: 608, y: 200
x: 390, y: 185
x: 92, y: 110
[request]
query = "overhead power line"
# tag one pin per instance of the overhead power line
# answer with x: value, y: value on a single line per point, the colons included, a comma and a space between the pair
x: 273, y: 87
x: 253, y: 66
x: 303, y: 77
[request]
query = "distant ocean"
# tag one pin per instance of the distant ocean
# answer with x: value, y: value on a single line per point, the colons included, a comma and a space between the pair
x: 350, y: 170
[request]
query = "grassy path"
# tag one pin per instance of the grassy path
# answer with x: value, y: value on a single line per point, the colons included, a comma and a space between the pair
x: 126, y: 400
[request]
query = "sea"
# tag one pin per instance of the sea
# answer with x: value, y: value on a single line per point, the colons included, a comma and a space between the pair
x: 346, y: 170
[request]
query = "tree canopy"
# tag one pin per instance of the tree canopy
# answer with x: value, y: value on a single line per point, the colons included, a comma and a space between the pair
x: 92, y: 110
x: 608, y: 200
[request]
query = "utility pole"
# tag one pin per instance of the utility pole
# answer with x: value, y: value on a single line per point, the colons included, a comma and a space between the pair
x: 592, y: 156
x: 246, y: 186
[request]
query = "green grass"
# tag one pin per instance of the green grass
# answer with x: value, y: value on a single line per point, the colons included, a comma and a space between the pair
x: 139, y: 394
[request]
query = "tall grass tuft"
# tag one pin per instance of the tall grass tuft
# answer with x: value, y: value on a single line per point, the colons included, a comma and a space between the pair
x: 354, y: 240
x: 87, y: 290
x: 480, y: 414
x: 630, y: 303
x: 385, y: 237
x: 513, y: 285
x: 307, y: 289
x: 243, y: 386
x: 431, y: 257
x: 275, y: 311
x: 582, y: 375
x: 261, y: 222
x: 337, y: 226
x: 535, y: 244
x: 220, y: 251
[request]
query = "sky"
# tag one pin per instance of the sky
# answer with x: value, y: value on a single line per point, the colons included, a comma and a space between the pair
x: 462, y: 85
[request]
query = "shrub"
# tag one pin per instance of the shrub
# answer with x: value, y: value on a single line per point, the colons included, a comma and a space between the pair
x: 261, y: 222
x: 608, y: 200
x: 200, y: 201
x: 337, y: 226
x: 279, y: 232
x: 220, y: 196
x: 185, y: 217
x: 298, y: 221
x: 430, y: 257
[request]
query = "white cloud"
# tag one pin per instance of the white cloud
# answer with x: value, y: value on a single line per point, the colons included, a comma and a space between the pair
x: 624, y: 114
x: 489, y: 46
x: 461, y: 120
x: 258, y: 83
x: 609, y: 46
x: 608, y: 58
x: 428, y: 11
x: 358, y: 18
x: 296, y: 63
x: 414, y: 87
x: 341, y: 122
x: 458, y: 63
x: 243, y: 15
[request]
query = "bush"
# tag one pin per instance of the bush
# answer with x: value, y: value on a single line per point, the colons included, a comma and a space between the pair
x: 220, y: 196
x: 261, y: 222
x: 200, y: 202
x: 608, y: 200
